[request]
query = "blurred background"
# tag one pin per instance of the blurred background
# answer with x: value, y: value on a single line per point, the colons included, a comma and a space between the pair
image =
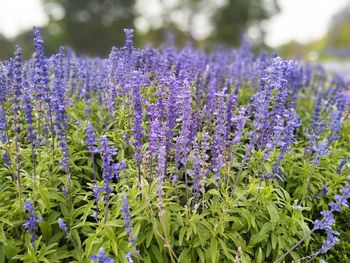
x: 307, y: 29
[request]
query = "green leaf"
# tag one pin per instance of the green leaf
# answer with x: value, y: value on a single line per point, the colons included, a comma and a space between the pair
x: 273, y: 240
x: 201, y: 255
x: 147, y: 258
x: 295, y: 256
x: 2, y: 254
x: 259, y: 258
x: 184, y: 257
x: 214, y: 192
x: 257, y: 238
x: 46, y: 229
x: 136, y: 229
x: 273, y: 213
x: 181, y: 235
x: 214, y: 249
x: 224, y: 248
x: 149, y: 237
x: 45, y: 197
x: 267, y: 227
x: 156, y: 252
x: 10, y: 249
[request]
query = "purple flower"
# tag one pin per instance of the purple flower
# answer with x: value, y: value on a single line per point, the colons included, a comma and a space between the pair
x: 219, y: 136
x: 91, y: 139
x: 239, y: 122
x: 101, y: 257
x: 330, y: 242
x: 18, y: 76
x: 341, y: 165
x: 42, y: 90
x: 109, y: 171
x: 328, y: 220
x: 128, y: 257
x: 127, y: 221
x: 231, y: 103
x: 161, y: 170
x: 62, y: 225
x: 28, y: 107
x: 197, y: 169
x: 320, y: 150
x: 342, y: 200
x: 324, y: 190
x: 107, y: 168
x: 65, y: 192
x: 58, y: 103
x: 153, y: 128
x: 183, y: 141
x: 129, y: 43
x: 32, y: 220
x: 41, y: 77
x: 138, y: 115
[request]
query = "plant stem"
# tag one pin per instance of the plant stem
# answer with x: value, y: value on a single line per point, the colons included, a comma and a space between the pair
x: 151, y: 168
x: 294, y: 247
x: 186, y: 182
x: 139, y: 176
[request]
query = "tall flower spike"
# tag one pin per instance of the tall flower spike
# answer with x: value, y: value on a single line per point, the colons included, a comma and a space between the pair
x: 128, y: 257
x: 32, y: 220
x: 62, y: 225
x: 127, y: 222
x: 101, y: 257
x: 41, y: 82
x: 137, y: 128
x: 161, y: 175
x: 107, y: 168
x: 17, y: 86
x: 18, y: 69
x: 219, y: 137
x: 28, y: 107
x: 342, y: 164
x: 91, y: 139
x: 129, y: 42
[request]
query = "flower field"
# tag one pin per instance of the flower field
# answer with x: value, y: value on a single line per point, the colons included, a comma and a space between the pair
x: 172, y: 155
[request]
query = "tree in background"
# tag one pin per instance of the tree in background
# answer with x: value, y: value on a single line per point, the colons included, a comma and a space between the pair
x: 93, y: 26
x: 339, y: 30
x: 238, y: 16
x: 207, y: 21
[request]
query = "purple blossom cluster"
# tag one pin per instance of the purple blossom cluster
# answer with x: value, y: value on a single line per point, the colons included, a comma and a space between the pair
x: 327, y: 221
x: 101, y: 257
x: 110, y: 170
x: 32, y: 220
x: 188, y: 109
x: 127, y: 222
x: 63, y: 226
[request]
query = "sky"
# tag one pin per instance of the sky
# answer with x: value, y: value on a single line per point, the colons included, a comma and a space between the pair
x: 299, y: 20
x: 20, y: 15
x: 302, y: 20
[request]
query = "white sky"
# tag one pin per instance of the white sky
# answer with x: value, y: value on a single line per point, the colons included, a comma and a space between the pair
x: 300, y: 20
x: 20, y: 15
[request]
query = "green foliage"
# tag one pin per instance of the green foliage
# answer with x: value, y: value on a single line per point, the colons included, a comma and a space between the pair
x: 263, y: 219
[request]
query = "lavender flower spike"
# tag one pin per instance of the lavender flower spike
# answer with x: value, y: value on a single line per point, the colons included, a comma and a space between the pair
x: 101, y: 257
x: 62, y: 225
x: 30, y: 224
x: 128, y: 257
x: 91, y: 139
x: 127, y: 222
x: 342, y: 164
x: 129, y: 43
